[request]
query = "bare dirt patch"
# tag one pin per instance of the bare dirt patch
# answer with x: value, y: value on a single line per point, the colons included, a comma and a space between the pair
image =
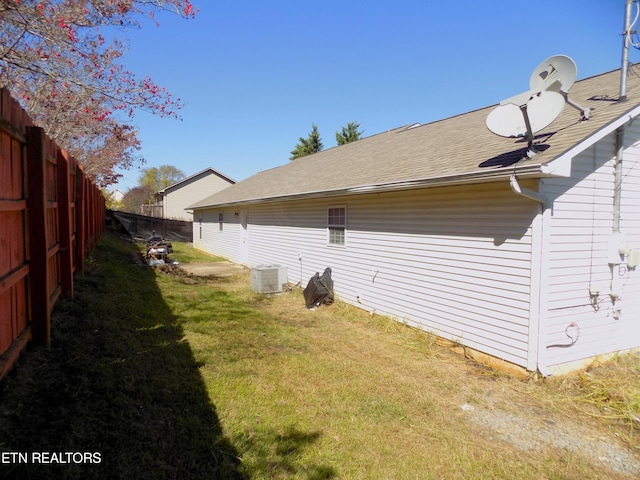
x: 212, y: 269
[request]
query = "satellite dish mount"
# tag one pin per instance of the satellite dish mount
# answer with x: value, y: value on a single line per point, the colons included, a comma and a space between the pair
x: 529, y: 112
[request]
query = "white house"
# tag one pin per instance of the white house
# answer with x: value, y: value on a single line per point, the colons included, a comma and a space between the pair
x: 117, y: 194
x: 172, y: 201
x: 454, y: 230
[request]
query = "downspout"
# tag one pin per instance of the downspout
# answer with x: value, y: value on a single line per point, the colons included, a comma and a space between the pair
x: 530, y: 194
x: 544, y: 213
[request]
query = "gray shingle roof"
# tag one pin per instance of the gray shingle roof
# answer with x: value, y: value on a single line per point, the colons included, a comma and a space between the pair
x: 202, y: 173
x: 459, y: 147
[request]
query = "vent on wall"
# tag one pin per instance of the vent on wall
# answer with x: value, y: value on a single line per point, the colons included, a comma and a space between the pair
x: 268, y: 278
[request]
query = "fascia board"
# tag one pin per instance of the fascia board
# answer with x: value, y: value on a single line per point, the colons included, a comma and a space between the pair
x: 453, y: 180
x: 561, y: 165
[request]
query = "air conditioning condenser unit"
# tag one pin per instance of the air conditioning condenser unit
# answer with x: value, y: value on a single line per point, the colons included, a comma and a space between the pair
x: 268, y: 278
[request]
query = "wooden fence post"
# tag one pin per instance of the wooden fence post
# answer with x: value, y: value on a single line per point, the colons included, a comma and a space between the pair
x: 80, y: 220
x: 92, y: 213
x: 36, y: 203
x: 64, y: 219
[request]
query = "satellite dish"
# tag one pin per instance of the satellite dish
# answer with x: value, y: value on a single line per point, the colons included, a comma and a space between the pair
x: 507, y: 121
x: 529, y: 112
x: 542, y: 108
x: 555, y: 73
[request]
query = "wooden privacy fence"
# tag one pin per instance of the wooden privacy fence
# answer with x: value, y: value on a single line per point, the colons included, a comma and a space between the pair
x: 51, y: 215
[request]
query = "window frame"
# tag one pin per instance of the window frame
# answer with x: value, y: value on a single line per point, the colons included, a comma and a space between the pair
x: 333, y: 226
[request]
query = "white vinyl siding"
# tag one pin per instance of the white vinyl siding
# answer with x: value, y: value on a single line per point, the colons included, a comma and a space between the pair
x: 629, y: 323
x: 452, y: 261
x: 581, y: 225
x: 219, y: 242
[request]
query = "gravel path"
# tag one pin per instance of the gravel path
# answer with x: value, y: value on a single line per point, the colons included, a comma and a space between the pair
x: 534, y: 431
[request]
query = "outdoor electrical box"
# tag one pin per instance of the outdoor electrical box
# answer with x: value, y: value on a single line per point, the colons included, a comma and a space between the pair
x: 268, y: 278
x: 616, y: 249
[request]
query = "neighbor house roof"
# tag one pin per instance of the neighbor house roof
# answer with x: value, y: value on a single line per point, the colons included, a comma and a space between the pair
x: 458, y: 149
x: 203, y: 173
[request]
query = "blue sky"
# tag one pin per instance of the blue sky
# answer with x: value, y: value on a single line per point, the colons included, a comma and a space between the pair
x: 255, y: 75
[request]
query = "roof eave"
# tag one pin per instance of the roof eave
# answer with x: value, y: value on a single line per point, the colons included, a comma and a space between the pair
x: 526, y: 171
x: 191, y: 177
x: 561, y: 165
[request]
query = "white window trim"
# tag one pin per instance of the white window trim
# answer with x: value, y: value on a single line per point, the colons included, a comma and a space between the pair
x: 344, y: 226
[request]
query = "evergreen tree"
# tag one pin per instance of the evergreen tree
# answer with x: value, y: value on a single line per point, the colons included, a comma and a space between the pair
x: 349, y: 134
x: 309, y: 145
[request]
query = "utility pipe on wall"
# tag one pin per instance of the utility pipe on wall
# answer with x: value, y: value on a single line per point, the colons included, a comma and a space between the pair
x: 617, y: 187
x: 615, y: 242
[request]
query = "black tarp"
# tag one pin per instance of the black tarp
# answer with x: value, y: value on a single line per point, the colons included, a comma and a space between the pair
x: 319, y: 290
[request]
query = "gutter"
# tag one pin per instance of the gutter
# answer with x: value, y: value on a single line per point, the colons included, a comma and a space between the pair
x: 452, y: 180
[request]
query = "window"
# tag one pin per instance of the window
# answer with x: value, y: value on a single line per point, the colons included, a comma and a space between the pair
x: 337, y: 224
x: 220, y: 221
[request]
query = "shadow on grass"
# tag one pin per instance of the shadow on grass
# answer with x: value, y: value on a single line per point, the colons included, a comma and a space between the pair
x: 119, y: 385
x: 277, y: 453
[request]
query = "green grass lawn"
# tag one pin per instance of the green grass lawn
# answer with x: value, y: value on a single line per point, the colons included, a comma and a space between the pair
x: 167, y: 375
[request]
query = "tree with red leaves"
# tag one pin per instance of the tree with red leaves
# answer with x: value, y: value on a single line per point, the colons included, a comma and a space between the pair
x: 55, y: 60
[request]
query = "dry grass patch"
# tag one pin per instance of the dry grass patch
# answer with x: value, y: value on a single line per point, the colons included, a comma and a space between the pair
x: 377, y: 399
x: 608, y: 390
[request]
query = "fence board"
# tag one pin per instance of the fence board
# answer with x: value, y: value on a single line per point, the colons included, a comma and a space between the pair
x: 64, y: 204
x: 41, y: 321
x: 46, y: 233
x: 14, y: 263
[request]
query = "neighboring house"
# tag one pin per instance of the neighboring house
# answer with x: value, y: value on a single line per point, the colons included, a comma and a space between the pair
x: 453, y: 230
x: 117, y: 195
x: 172, y: 201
